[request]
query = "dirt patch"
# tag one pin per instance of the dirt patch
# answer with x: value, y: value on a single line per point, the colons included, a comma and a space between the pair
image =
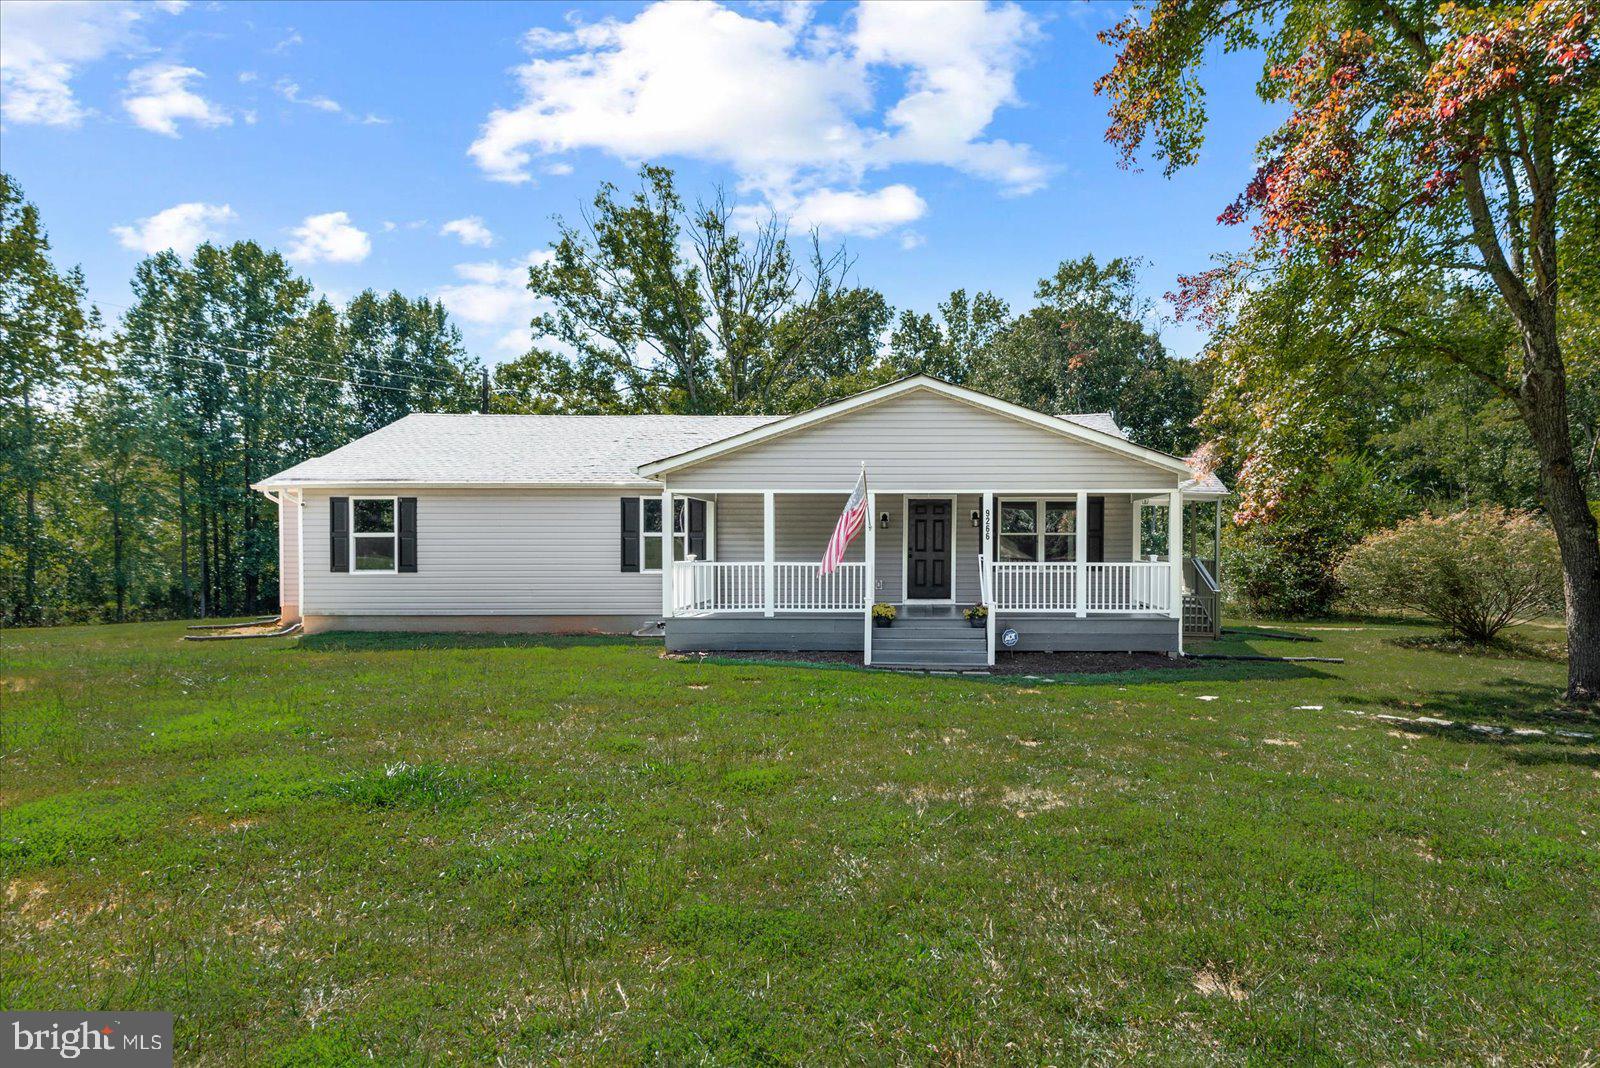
x: 1208, y: 982
x: 16, y: 683
x: 1031, y: 800
x: 1034, y: 664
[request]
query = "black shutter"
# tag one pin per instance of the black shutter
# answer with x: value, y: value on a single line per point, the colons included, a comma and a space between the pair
x: 630, y: 533
x: 408, y: 534
x: 697, y: 528
x: 339, y: 534
x: 1097, y: 529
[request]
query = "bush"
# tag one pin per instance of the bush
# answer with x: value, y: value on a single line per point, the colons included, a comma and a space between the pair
x: 1283, y: 567
x: 1475, y: 571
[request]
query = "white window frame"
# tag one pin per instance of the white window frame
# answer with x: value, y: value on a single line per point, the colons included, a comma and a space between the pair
x: 394, y: 534
x: 1038, y: 534
x: 679, y: 537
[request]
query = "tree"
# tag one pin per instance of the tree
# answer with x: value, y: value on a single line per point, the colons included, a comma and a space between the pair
x: 48, y: 350
x: 1476, y: 572
x: 951, y: 346
x: 1418, y: 138
x: 202, y: 346
x: 1085, y: 348
x: 404, y: 356
x: 120, y: 480
x: 683, y: 309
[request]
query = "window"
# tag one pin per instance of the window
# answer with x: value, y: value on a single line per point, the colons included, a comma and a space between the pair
x: 651, y: 534
x: 374, y: 533
x: 1061, y: 531
x: 1038, y: 531
x: 1019, y: 531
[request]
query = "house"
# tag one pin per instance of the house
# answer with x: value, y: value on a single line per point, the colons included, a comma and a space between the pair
x: 711, y: 527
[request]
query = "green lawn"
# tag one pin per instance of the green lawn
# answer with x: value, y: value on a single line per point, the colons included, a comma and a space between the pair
x: 461, y: 849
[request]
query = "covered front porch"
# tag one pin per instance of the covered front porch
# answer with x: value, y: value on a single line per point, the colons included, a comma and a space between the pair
x: 1060, y: 570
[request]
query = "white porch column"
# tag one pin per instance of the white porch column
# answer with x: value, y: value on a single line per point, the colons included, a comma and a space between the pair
x: 987, y: 548
x: 870, y: 547
x: 667, y: 535
x: 1216, y: 556
x: 711, y: 528
x: 1080, y: 541
x: 1138, y: 528
x: 769, y: 543
x: 987, y: 578
x: 1175, y: 550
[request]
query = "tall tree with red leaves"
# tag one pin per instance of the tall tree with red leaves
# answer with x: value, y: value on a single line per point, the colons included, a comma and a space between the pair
x: 1426, y: 136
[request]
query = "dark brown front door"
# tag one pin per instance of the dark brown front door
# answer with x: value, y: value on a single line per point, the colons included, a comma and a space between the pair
x: 928, y: 550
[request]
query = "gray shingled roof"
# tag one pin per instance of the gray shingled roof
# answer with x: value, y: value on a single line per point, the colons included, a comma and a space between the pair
x: 557, y: 450
x: 1100, y: 421
x: 601, y: 450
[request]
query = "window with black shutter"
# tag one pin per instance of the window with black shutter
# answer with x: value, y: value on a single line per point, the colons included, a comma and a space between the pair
x: 697, y: 528
x: 1097, y: 530
x: 630, y: 534
x: 338, y: 533
x: 408, y: 534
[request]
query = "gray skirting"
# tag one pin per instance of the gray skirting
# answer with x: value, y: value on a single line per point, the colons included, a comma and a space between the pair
x: 784, y: 633
x: 1092, y: 634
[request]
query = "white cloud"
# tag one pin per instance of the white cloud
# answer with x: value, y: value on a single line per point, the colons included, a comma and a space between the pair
x: 43, y: 46
x: 787, y: 102
x: 469, y: 231
x: 848, y: 211
x: 290, y: 91
x: 494, y: 295
x: 180, y: 228
x: 159, y: 96
x: 329, y: 237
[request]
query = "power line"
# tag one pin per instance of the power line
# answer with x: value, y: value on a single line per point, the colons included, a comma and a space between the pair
x: 300, y: 376
x: 217, y: 347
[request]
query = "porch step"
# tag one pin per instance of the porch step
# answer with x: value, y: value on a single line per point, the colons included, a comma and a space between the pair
x: 928, y: 652
x: 923, y: 624
x: 927, y: 643
x: 930, y: 643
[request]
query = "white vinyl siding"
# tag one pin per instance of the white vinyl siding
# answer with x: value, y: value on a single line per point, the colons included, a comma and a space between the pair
x: 926, y: 442
x: 288, y: 555
x: 487, y: 552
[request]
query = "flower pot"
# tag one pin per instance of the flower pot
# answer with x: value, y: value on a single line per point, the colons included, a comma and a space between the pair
x: 976, y: 621
x: 879, y: 621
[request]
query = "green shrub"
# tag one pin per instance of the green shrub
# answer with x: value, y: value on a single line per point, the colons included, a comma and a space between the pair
x: 1285, y: 566
x: 1475, y: 571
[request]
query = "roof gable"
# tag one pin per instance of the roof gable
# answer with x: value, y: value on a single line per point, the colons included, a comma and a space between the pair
x: 1072, y: 428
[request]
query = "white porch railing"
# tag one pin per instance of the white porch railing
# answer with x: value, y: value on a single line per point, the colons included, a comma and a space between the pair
x: 1140, y: 586
x: 701, y: 587
x: 804, y: 588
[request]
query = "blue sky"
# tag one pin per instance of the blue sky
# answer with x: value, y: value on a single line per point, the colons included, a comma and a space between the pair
x: 425, y: 147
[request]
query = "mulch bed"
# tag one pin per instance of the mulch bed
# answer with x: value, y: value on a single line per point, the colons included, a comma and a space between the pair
x: 1005, y: 663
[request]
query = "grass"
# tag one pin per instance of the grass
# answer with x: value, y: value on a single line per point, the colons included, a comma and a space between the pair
x: 458, y: 849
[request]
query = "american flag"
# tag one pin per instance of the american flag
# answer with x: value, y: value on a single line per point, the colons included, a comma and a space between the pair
x: 850, y: 523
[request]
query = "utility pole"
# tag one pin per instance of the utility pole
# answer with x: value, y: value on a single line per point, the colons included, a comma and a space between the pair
x: 483, y: 391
